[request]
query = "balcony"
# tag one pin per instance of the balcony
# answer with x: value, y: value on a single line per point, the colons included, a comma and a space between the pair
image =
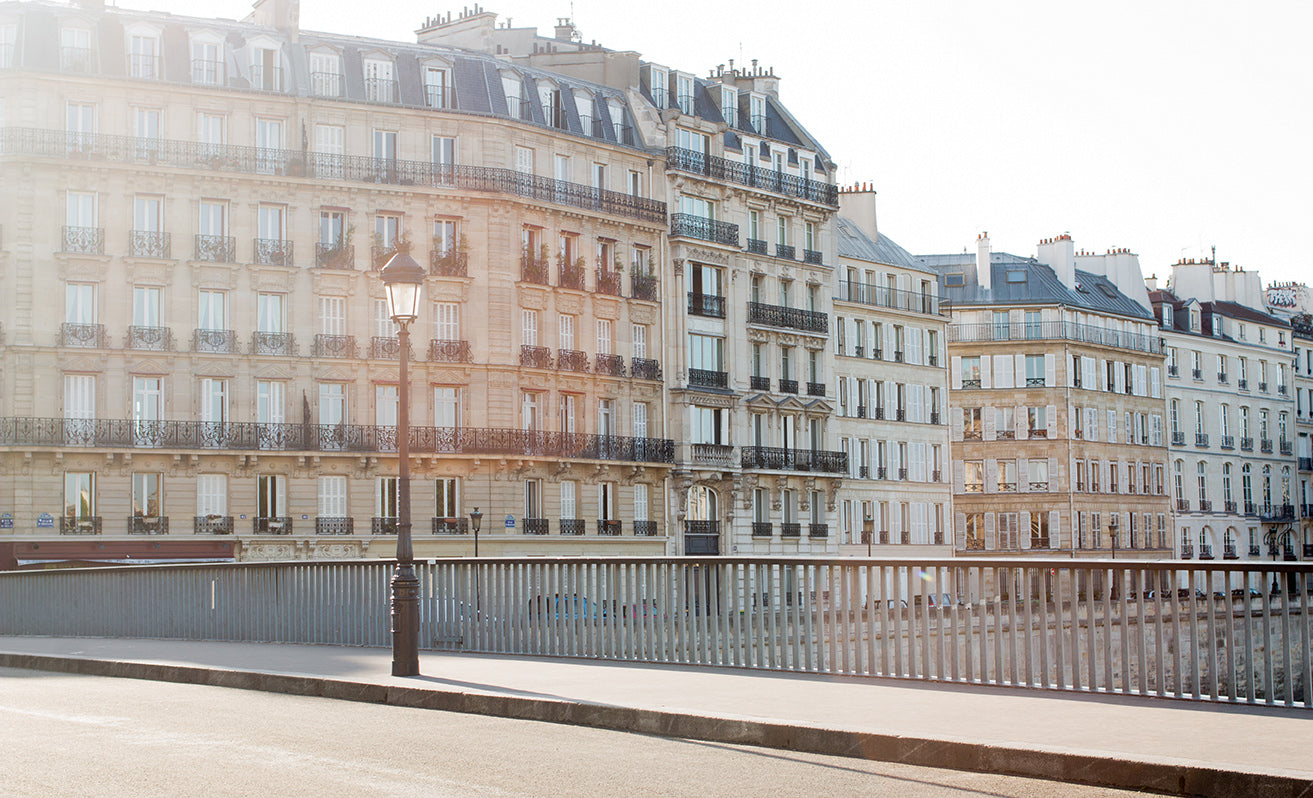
x: 1286, y: 448
x: 701, y: 538
x: 1277, y: 513
x: 813, y: 460
x: 1255, y: 552
x: 609, y: 365
x: 702, y: 378
x: 1246, y: 444
x: 893, y: 298
x: 1178, y: 438
x: 756, y: 246
x: 1205, y: 506
x: 450, y: 526
x: 789, y: 386
x: 219, y: 158
x: 812, y: 256
x: 1229, y: 507
x: 1187, y: 551
x: 387, y: 347
x: 1222, y: 378
x: 1173, y: 371
x: 1281, y: 390
x: 536, y: 526
x: 641, y: 368
x: 572, y: 360
x: 1265, y: 445
x: 380, y: 90
x: 149, y: 244
x: 83, y: 240
x: 1038, y: 487
x: 861, y: 411
x: 816, y: 389
x: 212, y: 525
x: 1306, y: 464
x: 762, y: 529
x: 148, y: 525
x: 206, y: 72
x: 221, y: 342
x: 335, y: 525
x: 786, y: 252
x: 383, y: 525
x: 1183, y: 505
x: 711, y: 454
x: 335, y: 256
x: 645, y: 528
x: 538, y: 357
x: 759, y: 383
x: 572, y: 276
x: 572, y: 526
x: 1229, y: 552
x: 144, y: 65
x: 273, y: 251
x: 86, y: 525
x: 272, y: 525
x: 216, y: 249
x: 534, y: 270
x: 608, y: 281
x: 273, y: 343
x: 78, y: 60
x: 1262, y: 387
x: 1242, y: 384
x: 151, y: 339
x: 1205, y: 551
x: 863, y: 472
x: 380, y: 254
x: 708, y: 305
x: 343, y: 346
x: 643, y: 286
x: 688, y: 225
x: 1200, y: 440
x: 325, y: 84
x: 791, y: 318
x: 816, y: 530
x: 695, y: 162
x: 448, y: 262
x: 266, y: 78
x: 790, y: 529
x: 1228, y: 442
x: 1055, y: 331
x: 882, y: 472
x: 1197, y: 374
x: 1251, y: 508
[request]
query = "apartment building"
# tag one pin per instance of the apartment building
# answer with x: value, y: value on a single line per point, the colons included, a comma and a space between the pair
x: 891, y: 376
x: 1302, y: 331
x: 196, y: 359
x: 1056, y: 403
x: 1231, y: 419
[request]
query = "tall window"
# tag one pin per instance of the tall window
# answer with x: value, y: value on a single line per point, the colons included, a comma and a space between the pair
x: 447, y: 497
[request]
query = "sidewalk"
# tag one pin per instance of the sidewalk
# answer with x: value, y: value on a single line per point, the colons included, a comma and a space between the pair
x: 1169, y: 746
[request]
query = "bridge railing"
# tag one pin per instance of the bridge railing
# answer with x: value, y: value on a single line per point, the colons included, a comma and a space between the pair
x: 1230, y: 632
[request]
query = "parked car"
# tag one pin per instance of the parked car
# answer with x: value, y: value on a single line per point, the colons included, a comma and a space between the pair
x: 1184, y: 593
x: 1240, y: 592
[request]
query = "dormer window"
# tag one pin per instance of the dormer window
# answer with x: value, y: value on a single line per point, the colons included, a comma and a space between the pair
x: 1194, y: 320
x: 588, y: 117
x: 325, y: 74
x: 513, y: 88
x: 1167, y: 315
x: 144, y: 56
x: 437, y: 87
x: 729, y: 105
x: 684, y: 93
x: 549, y: 96
x: 658, y: 84
x: 8, y: 45
x: 266, y: 69
x: 1218, y: 330
x: 757, y: 113
x: 380, y: 87
x: 207, y: 62
x: 75, y: 50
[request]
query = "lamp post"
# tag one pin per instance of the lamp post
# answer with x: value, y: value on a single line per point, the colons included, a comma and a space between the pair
x: 476, y: 520
x: 1113, y: 524
x: 868, y: 532
x: 1276, y: 540
x: 402, y: 279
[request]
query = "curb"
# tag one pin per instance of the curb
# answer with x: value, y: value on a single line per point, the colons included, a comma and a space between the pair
x: 1100, y: 771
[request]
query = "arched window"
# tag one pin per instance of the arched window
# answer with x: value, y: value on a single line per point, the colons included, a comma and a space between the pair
x: 1285, y: 485
x: 702, y: 504
x: 1267, y: 486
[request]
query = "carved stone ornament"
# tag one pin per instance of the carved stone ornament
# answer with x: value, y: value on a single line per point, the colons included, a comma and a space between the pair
x: 678, y: 266
x: 273, y: 279
x: 336, y: 551
x: 263, y: 552
x: 216, y: 276
x: 606, y: 308
x: 707, y: 256
x: 642, y: 314
x: 333, y: 282
x: 149, y: 272
x: 571, y: 304
x: 532, y: 298
x: 82, y: 269
x: 149, y: 365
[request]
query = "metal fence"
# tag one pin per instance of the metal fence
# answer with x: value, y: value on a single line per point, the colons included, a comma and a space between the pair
x: 1216, y: 631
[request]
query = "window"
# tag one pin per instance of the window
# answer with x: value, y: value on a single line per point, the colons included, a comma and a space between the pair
x: 970, y: 372
x: 211, y: 495
x: 974, y: 480
x: 565, y: 331
x: 640, y: 340
x: 706, y: 352
x: 143, y: 56
x: 1039, y: 530
x: 145, y: 306
x: 80, y: 497
x: 332, y: 315
x: 436, y: 89
x: 325, y: 74
x: 379, y: 85
x: 446, y: 321
x: 266, y: 69
x: 385, y: 497
x: 1034, y: 370
x: 1039, y: 474
x: 707, y: 427
x: 447, y: 498
x: 212, y: 310
x: 271, y: 499
x: 270, y: 314
x: 533, y: 493
x: 605, y: 336
x: 446, y: 406
x: 332, y: 497
x: 529, y: 327
x: 1037, y: 420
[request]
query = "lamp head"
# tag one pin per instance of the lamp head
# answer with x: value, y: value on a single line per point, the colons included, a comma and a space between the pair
x: 402, y: 279
x: 476, y: 518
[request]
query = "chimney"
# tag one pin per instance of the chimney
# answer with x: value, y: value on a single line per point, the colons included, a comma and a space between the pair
x: 1151, y: 282
x: 285, y: 15
x: 565, y: 29
x: 857, y: 204
x: 1059, y: 254
x: 984, y: 271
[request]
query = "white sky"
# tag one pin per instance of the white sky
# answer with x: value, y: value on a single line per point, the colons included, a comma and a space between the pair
x: 1166, y: 126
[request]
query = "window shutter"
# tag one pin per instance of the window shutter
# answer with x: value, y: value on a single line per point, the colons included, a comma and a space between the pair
x: 1092, y: 423
x: 1155, y: 383
x: 985, y: 381
x: 1023, y: 530
x: 1112, y: 426
x: 1055, y: 528
x: 988, y: 423
x: 991, y: 532
x: 1023, y: 475
x: 918, y: 462
x: 919, y: 532
x: 1053, y: 475
x: 915, y: 403
x: 1088, y: 374
x: 1051, y: 418
x: 1019, y: 368
x: 1120, y: 377
x: 1003, y: 371
x: 1050, y: 371
x: 961, y: 531
x: 958, y: 415
x: 850, y: 335
x: 956, y: 366
x: 1020, y: 423
x: 991, y: 476
x: 959, y: 477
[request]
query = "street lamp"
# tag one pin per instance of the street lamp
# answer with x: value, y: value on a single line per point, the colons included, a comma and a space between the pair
x: 1276, y: 540
x: 402, y: 279
x: 1113, y: 524
x: 476, y: 520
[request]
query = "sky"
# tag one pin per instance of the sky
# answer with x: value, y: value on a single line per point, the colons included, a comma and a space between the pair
x: 1165, y: 127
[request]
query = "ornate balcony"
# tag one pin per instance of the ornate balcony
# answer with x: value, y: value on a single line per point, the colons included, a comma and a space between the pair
x: 216, y: 249
x: 1205, y: 506
x: 702, y: 378
x: 759, y: 383
x: 1229, y: 507
x: 572, y: 526
x: 538, y: 357
x: 148, y: 525
x: 1200, y: 440
x: 1183, y: 505
x: 151, y: 339
x: 149, y: 244
x: 273, y: 343
x: 688, y: 225
x: 610, y: 365
x: 214, y: 341
x: 335, y: 525
x: 1187, y: 551
x: 1178, y: 438
x: 811, y: 256
x: 86, y: 525
x: 343, y: 346
x: 762, y: 529
x: 1305, y: 464
x: 1265, y: 445
x: 1173, y: 371
x: 644, y: 287
x: 383, y: 525
x: 87, y: 336
x: 818, y: 530
x: 381, y: 90
x: 791, y: 318
x: 1228, y: 442
x: 83, y: 240
x: 609, y: 527
x: 1197, y: 374
x: 708, y: 305
x: 534, y: 269
x: 608, y: 281
x: 756, y: 246
x: 572, y: 360
x: 645, y: 528
x: 273, y: 251
x: 1262, y: 387
x: 387, y: 347
x: 786, y: 251
x: 789, y: 386
x: 1277, y: 513
x: 273, y: 525
x: 451, y: 526
x: 1286, y: 448
x: 1246, y: 444
x: 701, y: 538
x: 1229, y: 552
x: 571, y: 275
x: 695, y: 162
x: 206, y: 72
x: 335, y: 256
x: 790, y: 529
x: 445, y: 351
x: 448, y: 263
x: 212, y: 525
x: 711, y: 454
x: 777, y: 459
x: 641, y: 368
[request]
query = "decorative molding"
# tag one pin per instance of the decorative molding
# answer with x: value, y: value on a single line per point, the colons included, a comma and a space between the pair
x: 149, y: 365
x: 606, y: 308
x: 150, y: 272
x: 642, y: 314
x: 213, y: 275
x: 83, y: 268
x: 570, y: 303
x: 699, y: 399
x: 277, y: 279
x: 707, y: 255
x: 533, y: 297
x: 334, y: 282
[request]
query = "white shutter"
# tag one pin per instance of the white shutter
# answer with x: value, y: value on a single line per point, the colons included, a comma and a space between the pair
x: 1053, y: 475
x: 991, y: 475
x: 1092, y: 424
x: 1021, y: 423
x: 991, y: 532
x: 989, y: 422
x: 1155, y: 383
x: 916, y: 403
x: 332, y: 497
x: 959, y: 477
x: 918, y: 462
x: 1119, y: 377
x: 1051, y: 418
x: 955, y: 364
x: 640, y: 502
x: 1112, y: 426
x: 1019, y: 369
x: 1023, y: 475
x: 1087, y: 373
x: 958, y: 417
x: 985, y: 381
x: 1055, y: 527
x: 1003, y: 371
x: 919, y: 532
x: 1023, y: 531
x: 961, y: 531
x: 914, y: 346
x: 211, y: 494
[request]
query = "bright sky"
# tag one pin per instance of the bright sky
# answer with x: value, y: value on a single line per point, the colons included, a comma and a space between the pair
x: 1167, y: 127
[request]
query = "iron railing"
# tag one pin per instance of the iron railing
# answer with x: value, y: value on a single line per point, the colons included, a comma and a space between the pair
x: 641, y: 368
x: 387, y: 347
x: 216, y: 249
x: 83, y: 240
x: 212, y: 525
x: 811, y: 256
x: 610, y: 365
x: 154, y: 339
x: 335, y: 256
x: 91, y: 336
x: 536, y: 526
x: 762, y: 529
x: 450, y: 526
x: 788, y: 386
x: 383, y: 525
x: 572, y: 276
x: 86, y: 525
x: 1055, y: 331
x: 149, y: 244
x: 709, y: 305
x: 756, y: 246
x: 326, y: 166
x: 896, y: 299
x: 207, y: 72
x: 448, y: 263
x: 273, y: 343
x: 703, y: 378
x: 534, y: 269
x: 335, y: 346
x: 538, y: 357
x: 692, y: 226
x: 694, y: 162
x: 643, y: 286
x: 215, y: 341
x: 273, y: 251
x: 335, y: 525
x: 645, y: 528
x: 271, y: 525
x: 759, y: 383
x: 77, y: 59
x: 572, y: 360
x: 792, y: 318
x: 148, y: 525
x: 444, y: 351
x: 608, y: 281
x: 794, y: 459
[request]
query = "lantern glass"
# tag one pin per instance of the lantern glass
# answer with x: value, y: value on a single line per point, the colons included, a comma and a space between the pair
x: 403, y: 301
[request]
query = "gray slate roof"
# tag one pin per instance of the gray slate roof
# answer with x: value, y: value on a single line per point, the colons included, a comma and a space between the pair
x: 1041, y: 286
x: 855, y: 243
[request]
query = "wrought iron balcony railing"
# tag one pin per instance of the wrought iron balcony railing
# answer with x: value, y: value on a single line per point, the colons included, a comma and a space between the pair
x: 708, y: 305
x: 790, y: 529
x: 786, y: 251
x: 152, y: 339
x: 694, y: 162
x: 216, y: 249
x: 1305, y: 463
x: 645, y: 528
x: 538, y: 357
x: 212, y: 525
x: 1178, y: 438
x: 1262, y: 387
x: 572, y: 276
x: 1201, y: 440
x: 343, y: 346
x: 215, y: 341
x: 383, y: 525
x: 1246, y: 444
x: 1205, y: 505
x: 448, y: 263
x: 794, y: 459
x: 610, y: 527
x: 149, y: 244
x: 89, y: 336
x: 642, y: 368
x: 756, y: 246
x: 86, y: 525
x: 643, y: 286
x: 450, y: 526
x: 1054, y: 331
x: 610, y: 365
x: 534, y: 270
x: 812, y: 256
x: 271, y: 525
x: 792, y: 318
x: 893, y: 298
x: 536, y: 526
x: 1228, y: 442
x: 83, y: 240
x: 326, y: 166
x: 1265, y: 445
x: 789, y: 386
x: 572, y: 526
x: 387, y: 347
x: 335, y: 525
x: 1285, y: 448
x: 572, y: 360
x: 273, y: 251
x: 689, y: 225
x: 759, y: 383
x: 445, y: 351
x: 79, y: 60
x: 148, y: 525
x: 608, y: 281
x: 703, y: 378
x: 207, y: 72
x: 273, y: 343
x: 762, y: 529
x: 335, y: 256
x: 817, y: 530
x: 326, y: 84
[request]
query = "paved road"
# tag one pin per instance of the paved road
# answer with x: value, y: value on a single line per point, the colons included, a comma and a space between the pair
x: 95, y: 736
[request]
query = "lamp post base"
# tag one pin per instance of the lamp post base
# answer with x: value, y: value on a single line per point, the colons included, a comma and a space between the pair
x: 405, y: 620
